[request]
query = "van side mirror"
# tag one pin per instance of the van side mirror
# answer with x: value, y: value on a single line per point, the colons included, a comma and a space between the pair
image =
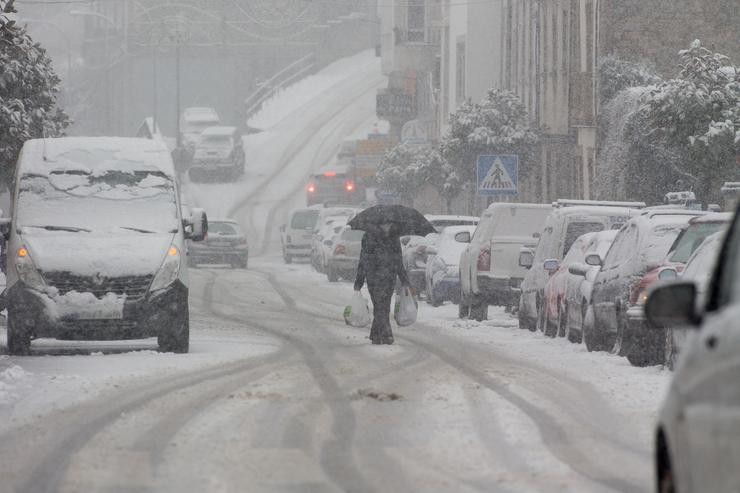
x: 526, y: 259
x: 463, y: 237
x: 672, y: 305
x: 198, y: 224
x: 594, y: 260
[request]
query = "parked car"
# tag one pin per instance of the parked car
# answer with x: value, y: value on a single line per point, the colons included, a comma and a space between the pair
x: 296, y: 235
x: 697, y: 436
x: 698, y: 229
x: 323, y: 240
x: 219, y: 152
x: 345, y: 257
x: 490, y: 273
x: 96, y: 244
x: 641, y: 245
x: 440, y: 222
x: 226, y: 243
x: 699, y: 270
x: 415, y: 257
x: 194, y: 121
x: 568, y: 291
x: 443, y: 265
x: 568, y: 221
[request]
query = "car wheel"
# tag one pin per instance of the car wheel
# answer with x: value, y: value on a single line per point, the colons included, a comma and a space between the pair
x: 591, y: 336
x: 562, y: 322
x: 431, y: 299
x: 19, y: 338
x: 649, y: 350
x: 550, y: 327
x: 175, y: 337
x: 288, y: 259
x: 666, y: 480
x: 619, y: 346
x: 541, y: 324
x: 574, y: 336
x: 479, y: 309
x: 331, y: 275
x: 463, y: 308
x: 244, y: 262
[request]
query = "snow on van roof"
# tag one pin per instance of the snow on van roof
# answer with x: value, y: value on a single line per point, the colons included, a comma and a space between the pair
x: 447, y: 217
x: 88, y: 154
x: 512, y: 205
x: 597, y: 211
x: 597, y: 203
x: 714, y: 217
x: 229, y: 131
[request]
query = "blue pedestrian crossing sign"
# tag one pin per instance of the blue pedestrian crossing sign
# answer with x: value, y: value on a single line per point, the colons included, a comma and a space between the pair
x: 498, y: 174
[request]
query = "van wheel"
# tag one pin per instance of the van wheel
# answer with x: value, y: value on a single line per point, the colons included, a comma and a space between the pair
x: 479, y: 309
x: 175, y: 337
x: 288, y: 259
x: 19, y: 338
x: 591, y: 336
x: 331, y: 275
x: 463, y: 308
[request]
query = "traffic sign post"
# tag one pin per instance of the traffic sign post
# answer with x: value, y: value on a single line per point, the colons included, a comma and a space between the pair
x: 498, y: 175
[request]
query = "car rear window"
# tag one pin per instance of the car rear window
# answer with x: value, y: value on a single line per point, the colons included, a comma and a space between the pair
x: 222, y: 228
x: 692, y: 238
x: 304, y: 220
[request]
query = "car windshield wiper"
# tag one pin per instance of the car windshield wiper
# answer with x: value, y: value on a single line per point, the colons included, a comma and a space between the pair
x: 138, y: 230
x: 71, y: 229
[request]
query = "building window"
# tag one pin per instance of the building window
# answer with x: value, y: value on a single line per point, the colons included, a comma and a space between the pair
x: 460, y: 72
x: 416, y: 20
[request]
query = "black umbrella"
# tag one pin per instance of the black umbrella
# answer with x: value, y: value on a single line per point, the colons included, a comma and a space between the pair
x: 407, y: 221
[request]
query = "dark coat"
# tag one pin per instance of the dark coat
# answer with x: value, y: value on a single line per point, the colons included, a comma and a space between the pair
x: 381, y: 260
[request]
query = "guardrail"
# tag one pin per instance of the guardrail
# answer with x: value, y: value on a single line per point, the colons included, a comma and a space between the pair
x: 267, y: 89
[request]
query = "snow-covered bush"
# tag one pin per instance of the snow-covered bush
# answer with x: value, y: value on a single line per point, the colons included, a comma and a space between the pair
x: 28, y: 92
x: 498, y: 124
x: 407, y: 169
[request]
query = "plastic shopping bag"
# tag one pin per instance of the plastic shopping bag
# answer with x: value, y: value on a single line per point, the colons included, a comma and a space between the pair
x: 405, y: 309
x: 357, y: 313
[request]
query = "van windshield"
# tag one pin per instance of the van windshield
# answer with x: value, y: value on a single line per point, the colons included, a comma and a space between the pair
x: 137, y: 202
x: 304, y: 220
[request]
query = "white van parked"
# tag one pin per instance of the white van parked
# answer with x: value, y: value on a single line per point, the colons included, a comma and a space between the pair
x: 489, y: 267
x: 96, y: 244
x: 297, y: 234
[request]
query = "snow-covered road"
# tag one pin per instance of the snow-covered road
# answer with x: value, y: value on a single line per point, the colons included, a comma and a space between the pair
x: 278, y: 394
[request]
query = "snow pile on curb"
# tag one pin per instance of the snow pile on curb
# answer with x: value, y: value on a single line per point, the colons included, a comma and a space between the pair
x: 9, y: 376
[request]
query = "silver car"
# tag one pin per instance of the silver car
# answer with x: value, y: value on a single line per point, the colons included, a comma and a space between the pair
x: 345, y: 257
x: 225, y: 244
x: 698, y: 432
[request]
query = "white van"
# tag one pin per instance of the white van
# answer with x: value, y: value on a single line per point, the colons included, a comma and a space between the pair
x: 297, y: 234
x: 489, y: 267
x: 96, y: 244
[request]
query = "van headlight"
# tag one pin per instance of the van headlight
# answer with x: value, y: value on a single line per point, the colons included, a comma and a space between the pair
x: 27, y: 271
x: 169, y: 270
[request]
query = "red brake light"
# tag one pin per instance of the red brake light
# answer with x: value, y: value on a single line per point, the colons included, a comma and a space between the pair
x: 350, y: 186
x: 311, y: 188
x: 330, y: 174
x: 340, y: 250
x: 484, y: 259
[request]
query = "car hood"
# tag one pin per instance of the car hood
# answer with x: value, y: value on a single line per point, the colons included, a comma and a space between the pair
x: 88, y: 254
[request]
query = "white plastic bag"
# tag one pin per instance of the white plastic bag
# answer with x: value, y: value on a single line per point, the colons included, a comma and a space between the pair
x: 405, y: 309
x: 357, y: 313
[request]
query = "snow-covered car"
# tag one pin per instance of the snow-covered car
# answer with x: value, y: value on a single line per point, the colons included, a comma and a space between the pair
x: 415, y: 259
x: 490, y: 273
x: 296, y: 235
x: 699, y: 270
x: 322, y: 243
x: 568, y: 291
x: 443, y: 265
x: 440, y: 222
x: 697, y: 435
x: 698, y: 229
x: 640, y: 246
x: 194, y: 121
x: 345, y: 257
x: 96, y: 244
x: 569, y: 220
x: 219, y: 152
x: 226, y: 243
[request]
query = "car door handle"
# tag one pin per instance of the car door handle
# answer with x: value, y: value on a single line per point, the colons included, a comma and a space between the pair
x: 711, y: 342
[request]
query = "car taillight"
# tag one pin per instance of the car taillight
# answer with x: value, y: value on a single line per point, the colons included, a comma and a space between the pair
x: 311, y: 188
x: 243, y: 241
x: 340, y: 250
x: 638, y: 294
x: 349, y: 186
x: 484, y: 259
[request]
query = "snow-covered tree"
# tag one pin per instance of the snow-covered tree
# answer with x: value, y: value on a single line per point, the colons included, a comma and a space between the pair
x: 698, y: 116
x: 406, y: 169
x: 498, y: 124
x: 616, y: 74
x: 28, y: 92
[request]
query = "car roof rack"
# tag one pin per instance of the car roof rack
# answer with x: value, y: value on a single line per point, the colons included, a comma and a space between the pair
x: 604, y: 203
